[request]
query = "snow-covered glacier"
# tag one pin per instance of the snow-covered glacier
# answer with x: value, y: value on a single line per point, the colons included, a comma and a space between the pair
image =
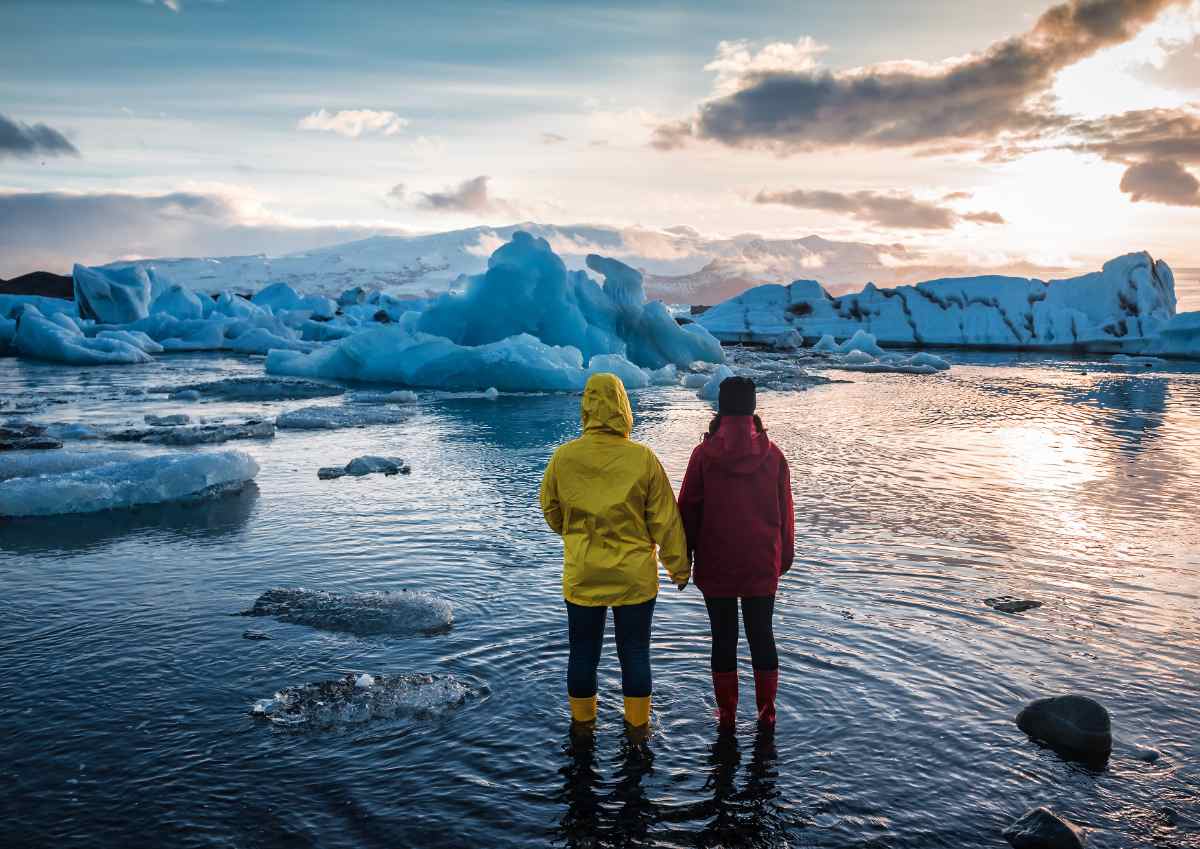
x: 1128, y: 306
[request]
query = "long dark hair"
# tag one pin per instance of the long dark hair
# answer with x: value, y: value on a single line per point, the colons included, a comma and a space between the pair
x: 715, y: 425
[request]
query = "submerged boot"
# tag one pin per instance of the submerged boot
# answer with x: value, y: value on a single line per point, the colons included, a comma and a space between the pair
x: 583, y: 710
x: 725, y: 686
x: 766, y: 684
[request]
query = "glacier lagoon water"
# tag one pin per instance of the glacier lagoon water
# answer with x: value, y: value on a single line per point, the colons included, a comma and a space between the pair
x: 127, y: 685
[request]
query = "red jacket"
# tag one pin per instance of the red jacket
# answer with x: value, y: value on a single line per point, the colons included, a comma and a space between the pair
x: 736, y: 503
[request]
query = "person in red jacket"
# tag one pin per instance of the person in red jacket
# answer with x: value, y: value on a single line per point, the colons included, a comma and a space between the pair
x: 736, y: 504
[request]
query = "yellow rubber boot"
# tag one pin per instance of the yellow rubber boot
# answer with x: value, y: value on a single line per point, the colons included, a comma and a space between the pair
x: 583, y: 709
x: 637, y: 710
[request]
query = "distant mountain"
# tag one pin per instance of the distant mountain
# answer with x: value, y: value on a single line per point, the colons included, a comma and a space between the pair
x: 681, y: 265
x: 39, y: 283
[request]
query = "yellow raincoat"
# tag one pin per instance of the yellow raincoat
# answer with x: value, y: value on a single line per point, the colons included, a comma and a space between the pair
x: 611, y: 502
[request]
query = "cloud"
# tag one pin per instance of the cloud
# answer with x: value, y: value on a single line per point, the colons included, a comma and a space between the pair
x: 23, y: 141
x: 553, y: 138
x: 353, y: 123
x: 397, y: 192
x: 760, y: 102
x: 898, y: 211
x: 471, y: 195
x: 52, y: 230
x: 1163, y: 181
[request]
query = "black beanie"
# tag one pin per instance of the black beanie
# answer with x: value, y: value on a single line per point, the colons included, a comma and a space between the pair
x: 736, y: 397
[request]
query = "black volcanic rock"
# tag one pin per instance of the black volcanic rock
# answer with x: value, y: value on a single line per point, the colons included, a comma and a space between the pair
x: 40, y: 283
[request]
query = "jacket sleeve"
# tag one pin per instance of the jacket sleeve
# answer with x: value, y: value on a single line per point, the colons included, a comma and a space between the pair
x: 787, y: 514
x: 691, y: 501
x: 551, y: 507
x: 664, y: 524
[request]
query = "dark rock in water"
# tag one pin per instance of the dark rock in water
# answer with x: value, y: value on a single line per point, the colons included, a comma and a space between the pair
x: 1146, y: 754
x: 360, y: 466
x: 20, y: 430
x: 198, y: 434
x: 354, y: 699
x: 382, y: 317
x: 1041, y: 828
x: 167, y: 421
x: 1010, y: 604
x: 29, y: 443
x: 1075, y: 726
x: 255, y: 635
x: 358, y: 613
x: 253, y: 389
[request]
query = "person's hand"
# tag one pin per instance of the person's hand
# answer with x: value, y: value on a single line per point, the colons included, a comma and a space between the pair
x: 682, y: 585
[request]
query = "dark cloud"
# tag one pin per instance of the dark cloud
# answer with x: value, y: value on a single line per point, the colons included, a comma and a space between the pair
x: 1163, y: 181
x: 470, y: 195
x: 1003, y: 90
x: 22, y: 140
x: 899, y: 211
x: 1156, y: 145
x: 52, y: 230
x: 397, y: 193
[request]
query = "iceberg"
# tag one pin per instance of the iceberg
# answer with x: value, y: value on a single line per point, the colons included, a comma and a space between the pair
x: 112, y: 295
x: 41, y: 338
x: 362, y: 613
x: 180, y: 303
x: 86, y: 482
x: 354, y: 699
x: 1129, y: 304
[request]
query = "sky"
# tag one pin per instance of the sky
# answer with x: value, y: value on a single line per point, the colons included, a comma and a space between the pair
x: 976, y: 133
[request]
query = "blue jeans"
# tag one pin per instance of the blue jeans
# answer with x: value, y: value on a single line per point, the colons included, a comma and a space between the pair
x: 585, y: 628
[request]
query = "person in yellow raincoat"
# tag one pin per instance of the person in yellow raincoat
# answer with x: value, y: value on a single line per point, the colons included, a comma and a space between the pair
x: 611, y: 502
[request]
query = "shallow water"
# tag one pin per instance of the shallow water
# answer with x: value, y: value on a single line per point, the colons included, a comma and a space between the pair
x: 126, y: 684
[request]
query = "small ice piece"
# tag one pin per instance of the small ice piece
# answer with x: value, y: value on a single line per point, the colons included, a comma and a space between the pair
x: 134, y: 337
x: 364, y: 681
x: 186, y: 395
x: 400, y: 396
x: 924, y: 358
x: 256, y: 389
x: 363, y: 613
x: 173, y: 420
x: 360, y: 466
x: 343, y: 701
x: 863, y: 342
x: 255, y: 635
x: 826, y: 344
x: 101, y: 483
x: 858, y: 358
x: 72, y: 431
x: 695, y: 380
x: 335, y: 418
x: 712, y: 389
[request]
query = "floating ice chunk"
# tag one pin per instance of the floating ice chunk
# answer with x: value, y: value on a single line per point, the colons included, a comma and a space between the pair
x: 924, y: 358
x: 178, y: 302
x: 186, y: 395
x: 8, y: 331
x: 260, y: 341
x: 133, y: 337
x: 364, y: 613
x: 11, y: 305
x: 695, y: 380
x: 350, y: 297
x: 102, y: 483
x: 892, y: 367
x: 712, y: 389
x: 33, y: 465
x: 277, y: 296
x: 39, y: 338
x: 400, y: 396
x: 826, y: 344
x: 257, y: 389
x: 863, y: 342
x: 172, y: 420
x: 334, y: 418
x: 491, y: 393
x: 72, y: 431
x: 858, y: 358
x: 29, y: 443
x: 668, y: 375
x: 198, y: 434
x: 350, y: 700
x: 629, y: 374
x: 360, y: 466
x: 112, y: 295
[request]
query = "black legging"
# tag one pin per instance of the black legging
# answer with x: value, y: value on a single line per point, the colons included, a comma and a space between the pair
x: 723, y: 620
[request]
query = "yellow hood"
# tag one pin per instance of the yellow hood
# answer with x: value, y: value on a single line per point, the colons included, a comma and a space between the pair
x: 605, y: 407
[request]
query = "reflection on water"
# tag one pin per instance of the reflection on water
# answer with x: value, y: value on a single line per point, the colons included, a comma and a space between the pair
x: 127, y: 684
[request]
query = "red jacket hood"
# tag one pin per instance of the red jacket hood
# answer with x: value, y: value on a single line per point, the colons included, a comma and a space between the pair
x: 737, y: 447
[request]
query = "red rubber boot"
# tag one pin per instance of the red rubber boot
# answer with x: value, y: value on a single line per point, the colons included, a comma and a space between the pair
x: 766, y: 685
x: 725, y: 686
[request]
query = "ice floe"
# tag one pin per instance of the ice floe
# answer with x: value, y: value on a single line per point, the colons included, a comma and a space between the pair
x: 255, y: 389
x: 364, y: 613
x: 209, y: 433
x: 337, y: 417
x: 354, y: 699
x: 85, y: 482
x: 368, y: 465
